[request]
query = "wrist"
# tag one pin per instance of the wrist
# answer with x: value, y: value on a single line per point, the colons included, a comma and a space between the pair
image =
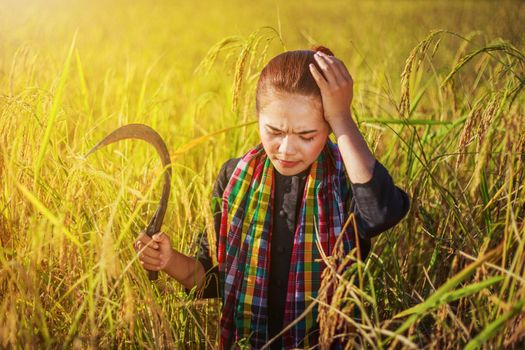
x: 185, y: 269
x: 342, y: 124
x: 171, y: 263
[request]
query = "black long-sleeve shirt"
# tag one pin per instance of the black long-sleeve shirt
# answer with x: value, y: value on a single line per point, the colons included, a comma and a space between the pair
x: 377, y: 205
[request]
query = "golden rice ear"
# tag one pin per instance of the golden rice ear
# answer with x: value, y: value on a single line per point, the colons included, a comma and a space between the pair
x: 323, y: 49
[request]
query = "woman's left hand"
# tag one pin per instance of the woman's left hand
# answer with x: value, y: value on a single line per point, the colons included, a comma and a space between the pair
x: 336, y: 90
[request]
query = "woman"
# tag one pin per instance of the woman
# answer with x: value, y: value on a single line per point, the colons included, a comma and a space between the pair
x: 295, y: 188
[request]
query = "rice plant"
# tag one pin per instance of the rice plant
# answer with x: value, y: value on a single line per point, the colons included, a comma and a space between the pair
x: 440, y: 104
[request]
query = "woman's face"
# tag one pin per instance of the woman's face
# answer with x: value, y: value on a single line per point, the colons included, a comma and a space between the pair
x: 293, y: 131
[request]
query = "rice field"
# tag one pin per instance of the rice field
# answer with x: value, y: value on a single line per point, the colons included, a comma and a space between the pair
x: 438, y: 95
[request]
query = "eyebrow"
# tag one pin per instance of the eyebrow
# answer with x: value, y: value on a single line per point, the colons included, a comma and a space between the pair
x: 299, y: 133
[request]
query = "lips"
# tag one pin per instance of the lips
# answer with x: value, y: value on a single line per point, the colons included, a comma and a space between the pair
x: 287, y: 163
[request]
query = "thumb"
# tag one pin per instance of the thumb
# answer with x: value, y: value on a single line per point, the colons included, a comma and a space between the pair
x: 159, y: 237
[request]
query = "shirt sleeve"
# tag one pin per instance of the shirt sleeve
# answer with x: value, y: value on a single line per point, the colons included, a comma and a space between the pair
x: 212, y: 285
x: 378, y: 204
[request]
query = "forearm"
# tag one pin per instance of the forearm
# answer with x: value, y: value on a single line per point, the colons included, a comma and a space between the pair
x: 357, y: 157
x: 186, y: 270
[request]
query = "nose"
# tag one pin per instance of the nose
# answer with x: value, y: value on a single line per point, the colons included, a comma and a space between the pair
x: 287, y: 146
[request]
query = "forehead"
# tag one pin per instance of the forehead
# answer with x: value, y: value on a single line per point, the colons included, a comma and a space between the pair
x: 291, y: 110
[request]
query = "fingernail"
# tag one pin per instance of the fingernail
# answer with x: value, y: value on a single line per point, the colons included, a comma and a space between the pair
x: 156, y: 246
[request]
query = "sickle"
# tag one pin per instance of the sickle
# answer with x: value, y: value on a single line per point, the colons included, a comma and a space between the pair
x: 146, y: 133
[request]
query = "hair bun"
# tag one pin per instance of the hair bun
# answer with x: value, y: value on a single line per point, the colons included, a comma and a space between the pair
x: 322, y: 49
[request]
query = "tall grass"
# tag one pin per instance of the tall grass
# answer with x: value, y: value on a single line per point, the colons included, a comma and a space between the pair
x: 444, y: 112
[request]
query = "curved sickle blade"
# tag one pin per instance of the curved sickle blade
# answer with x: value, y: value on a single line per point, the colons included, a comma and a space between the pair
x: 146, y: 133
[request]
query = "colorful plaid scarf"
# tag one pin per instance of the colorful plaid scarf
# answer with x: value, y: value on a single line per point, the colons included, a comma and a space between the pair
x: 244, y: 246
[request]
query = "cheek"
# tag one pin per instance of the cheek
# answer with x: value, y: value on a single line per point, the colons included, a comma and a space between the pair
x: 268, y: 141
x: 313, y: 148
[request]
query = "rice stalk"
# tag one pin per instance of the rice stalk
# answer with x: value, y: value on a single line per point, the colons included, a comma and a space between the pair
x: 53, y: 112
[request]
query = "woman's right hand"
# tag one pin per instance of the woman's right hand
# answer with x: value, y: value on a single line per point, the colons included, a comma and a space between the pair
x: 155, y: 252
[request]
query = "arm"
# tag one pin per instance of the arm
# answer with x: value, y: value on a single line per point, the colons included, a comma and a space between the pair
x: 185, y: 269
x: 189, y: 271
x: 358, y: 159
x: 156, y: 254
x: 212, y: 280
x: 336, y: 87
x: 379, y: 204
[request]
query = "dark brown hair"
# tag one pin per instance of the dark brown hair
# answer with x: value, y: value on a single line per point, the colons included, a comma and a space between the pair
x: 289, y: 72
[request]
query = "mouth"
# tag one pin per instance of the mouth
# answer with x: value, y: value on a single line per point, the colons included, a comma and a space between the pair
x: 287, y: 163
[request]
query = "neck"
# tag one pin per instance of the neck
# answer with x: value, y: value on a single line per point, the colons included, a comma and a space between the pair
x: 302, y: 173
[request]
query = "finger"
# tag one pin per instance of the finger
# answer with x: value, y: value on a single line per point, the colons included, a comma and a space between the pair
x: 143, y: 236
x: 159, y: 237
x: 150, y: 266
x: 140, y: 247
x: 331, y: 61
x: 343, y: 75
x: 346, y: 77
x: 325, y: 68
x: 321, y: 81
x: 344, y: 71
x: 149, y: 260
x: 326, y: 65
x: 148, y: 251
x: 144, y: 239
